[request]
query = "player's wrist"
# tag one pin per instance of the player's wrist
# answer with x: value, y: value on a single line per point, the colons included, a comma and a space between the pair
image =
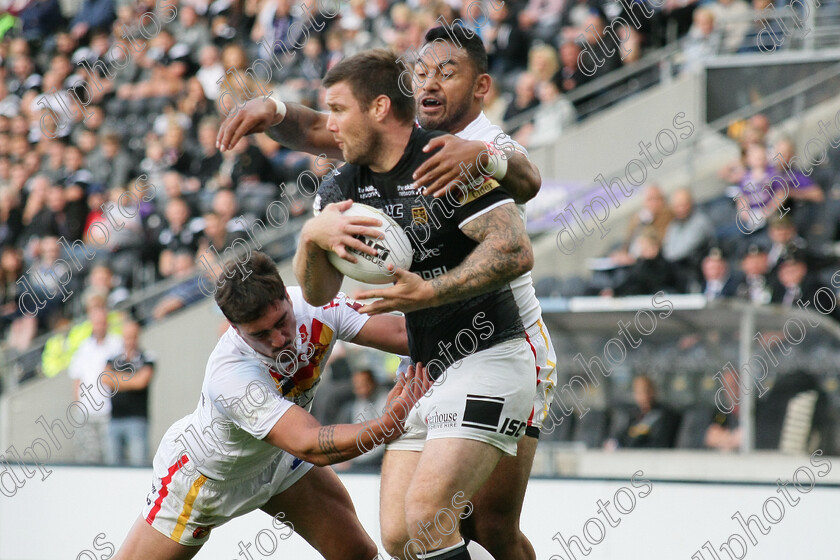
x: 279, y: 107
x: 496, y: 162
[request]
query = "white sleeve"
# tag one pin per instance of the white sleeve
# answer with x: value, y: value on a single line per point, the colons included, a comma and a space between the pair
x: 246, y: 399
x: 344, y: 316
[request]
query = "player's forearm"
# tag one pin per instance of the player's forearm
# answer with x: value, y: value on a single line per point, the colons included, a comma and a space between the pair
x: 304, y: 130
x: 318, y: 279
x: 340, y: 442
x: 491, y: 265
x: 522, y: 179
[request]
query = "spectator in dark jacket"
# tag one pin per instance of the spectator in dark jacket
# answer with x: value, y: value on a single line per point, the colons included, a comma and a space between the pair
x: 652, y: 424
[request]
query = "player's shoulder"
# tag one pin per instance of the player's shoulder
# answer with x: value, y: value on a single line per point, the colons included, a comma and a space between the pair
x: 232, y: 354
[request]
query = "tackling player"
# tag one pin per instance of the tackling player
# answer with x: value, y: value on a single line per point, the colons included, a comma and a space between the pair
x: 466, y: 252
x: 251, y: 442
x: 452, y: 104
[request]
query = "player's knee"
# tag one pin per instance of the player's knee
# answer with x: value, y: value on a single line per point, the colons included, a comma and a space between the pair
x: 498, y: 531
x: 394, y: 537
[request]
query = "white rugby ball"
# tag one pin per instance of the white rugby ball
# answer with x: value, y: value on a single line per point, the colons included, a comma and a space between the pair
x: 394, y: 249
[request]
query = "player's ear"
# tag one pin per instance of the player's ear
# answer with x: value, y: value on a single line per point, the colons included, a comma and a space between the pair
x: 482, y: 85
x: 381, y: 107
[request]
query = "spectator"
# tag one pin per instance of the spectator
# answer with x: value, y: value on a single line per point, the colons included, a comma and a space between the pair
x: 761, y: 190
x: 793, y: 284
x: 652, y: 424
x: 569, y: 76
x: 734, y: 18
x: 187, y: 291
x: 649, y: 273
x: 11, y: 217
x: 687, y: 237
x: 702, y: 41
x: 88, y: 363
x: 525, y: 99
x: 755, y: 286
x: 805, y: 196
x: 507, y: 45
x: 216, y: 235
x: 177, y: 236
x: 783, y: 238
x: 655, y: 215
x: 717, y: 281
x: 133, y: 370
x: 100, y: 281
x: 724, y: 432
x: 110, y: 164
x: 541, y: 18
x: 554, y: 114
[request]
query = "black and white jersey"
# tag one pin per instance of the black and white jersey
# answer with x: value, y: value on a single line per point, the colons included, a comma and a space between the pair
x: 449, y: 332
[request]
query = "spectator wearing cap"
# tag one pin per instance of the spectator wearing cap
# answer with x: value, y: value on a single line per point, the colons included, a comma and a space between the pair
x: 717, y: 281
x: 754, y: 285
x: 793, y: 282
x: 783, y: 238
x: 688, y: 236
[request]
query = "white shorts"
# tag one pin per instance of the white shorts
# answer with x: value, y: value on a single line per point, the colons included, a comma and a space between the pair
x: 546, y: 376
x: 184, y: 504
x: 487, y: 397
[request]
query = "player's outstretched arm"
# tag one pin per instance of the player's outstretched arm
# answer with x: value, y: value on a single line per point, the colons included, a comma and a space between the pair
x: 295, y: 126
x: 300, y: 434
x: 459, y: 161
x: 332, y: 231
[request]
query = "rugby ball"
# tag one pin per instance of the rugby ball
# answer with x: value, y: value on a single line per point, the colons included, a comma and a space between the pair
x: 394, y: 249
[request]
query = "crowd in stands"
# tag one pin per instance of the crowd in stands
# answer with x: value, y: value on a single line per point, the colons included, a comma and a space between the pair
x: 774, y: 244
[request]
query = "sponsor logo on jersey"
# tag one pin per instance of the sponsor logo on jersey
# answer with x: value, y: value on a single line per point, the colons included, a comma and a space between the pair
x: 442, y: 420
x: 434, y: 273
x: 421, y: 254
x: 368, y: 192
x: 419, y: 215
x: 407, y: 190
x: 483, y: 412
x: 488, y: 185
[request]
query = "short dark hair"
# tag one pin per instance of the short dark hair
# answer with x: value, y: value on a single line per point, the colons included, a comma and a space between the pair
x: 457, y: 36
x: 251, y: 288
x: 373, y: 73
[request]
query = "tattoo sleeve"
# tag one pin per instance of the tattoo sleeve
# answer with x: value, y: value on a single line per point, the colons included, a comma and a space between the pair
x: 503, y: 253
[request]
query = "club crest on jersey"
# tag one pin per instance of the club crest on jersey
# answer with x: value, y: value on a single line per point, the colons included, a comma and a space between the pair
x: 419, y: 215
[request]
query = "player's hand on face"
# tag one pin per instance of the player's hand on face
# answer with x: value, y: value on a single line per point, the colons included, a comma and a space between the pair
x: 333, y: 231
x: 409, y: 293
x: 257, y: 115
x: 442, y: 172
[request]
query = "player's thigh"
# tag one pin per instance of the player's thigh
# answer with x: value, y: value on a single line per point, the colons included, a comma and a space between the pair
x: 144, y: 542
x: 319, y: 508
x: 448, y: 474
x: 398, y: 467
x: 498, y: 504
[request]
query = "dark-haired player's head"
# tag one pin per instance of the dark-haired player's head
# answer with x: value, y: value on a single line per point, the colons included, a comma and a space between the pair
x: 450, y: 79
x: 364, y: 95
x: 254, y: 299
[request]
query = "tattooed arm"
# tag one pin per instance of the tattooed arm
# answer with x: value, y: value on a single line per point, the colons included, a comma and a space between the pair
x: 300, y: 434
x: 503, y: 253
